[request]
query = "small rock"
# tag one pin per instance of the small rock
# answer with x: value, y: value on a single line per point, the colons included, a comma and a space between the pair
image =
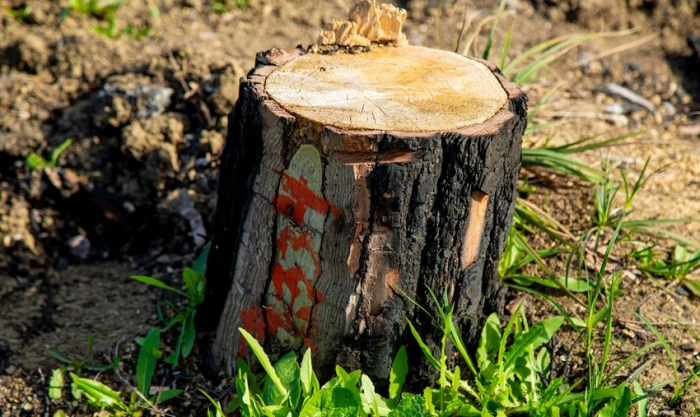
x: 79, y: 246
x: 680, y: 290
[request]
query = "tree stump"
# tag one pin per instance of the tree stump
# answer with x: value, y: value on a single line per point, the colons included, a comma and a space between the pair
x: 350, y: 181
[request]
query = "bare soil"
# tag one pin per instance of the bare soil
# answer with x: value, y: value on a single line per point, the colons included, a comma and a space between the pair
x: 148, y: 118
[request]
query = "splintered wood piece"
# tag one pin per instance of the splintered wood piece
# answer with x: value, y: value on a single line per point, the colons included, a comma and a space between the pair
x: 367, y: 23
x: 410, y: 89
x: 351, y: 184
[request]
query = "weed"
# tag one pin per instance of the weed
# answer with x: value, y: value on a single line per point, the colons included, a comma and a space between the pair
x: 183, y: 319
x: 101, y: 9
x: 222, y: 6
x: 106, y: 10
x: 678, y: 264
x: 678, y: 388
x: 85, y: 363
x: 100, y: 395
x: 35, y: 161
x: 111, y: 30
x: 150, y: 353
x: 23, y: 14
x: 292, y: 388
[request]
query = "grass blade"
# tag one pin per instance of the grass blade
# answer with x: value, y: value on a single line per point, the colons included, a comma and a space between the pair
x: 666, y: 346
x: 264, y: 360
x: 489, y: 40
x: 157, y: 283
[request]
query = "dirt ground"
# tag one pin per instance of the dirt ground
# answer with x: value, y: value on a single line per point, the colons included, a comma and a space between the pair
x: 148, y: 121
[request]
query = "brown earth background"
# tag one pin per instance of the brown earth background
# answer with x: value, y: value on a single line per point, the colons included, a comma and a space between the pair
x: 136, y: 191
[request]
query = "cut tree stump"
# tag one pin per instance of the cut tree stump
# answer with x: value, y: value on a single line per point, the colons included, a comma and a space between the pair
x: 351, y: 183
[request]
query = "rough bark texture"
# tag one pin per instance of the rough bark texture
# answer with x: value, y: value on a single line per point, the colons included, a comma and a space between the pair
x: 320, y: 230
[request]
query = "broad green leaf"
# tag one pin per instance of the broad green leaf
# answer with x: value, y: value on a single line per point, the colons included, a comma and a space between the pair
x: 200, y: 265
x: 543, y: 361
x: 287, y: 370
x: 428, y: 396
x: 307, y: 376
x: 643, y: 403
x: 248, y: 403
x: 98, y: 393
x: 369, y: 404
x: 157, y: 283
x: 488, y: 346
x: 56, y: 384
x: 60, y: 356
x: 572, y: 284
x: 264, y: 360
x: 333, y: 383
x: 35, y: 161
x: 146, y: 363
x: 189, y: 334
x: 455, y: 381
x: 519, y: 348
x: 349, y: 381
x: 174, y: 357
x: 192, y: 282
x: 410, y: 406
x: 549, y: 327
x: 619, y: 405
x: 168, y: 394
x: 399, y: 370
x: 335, y: 402
x: 245, y: 372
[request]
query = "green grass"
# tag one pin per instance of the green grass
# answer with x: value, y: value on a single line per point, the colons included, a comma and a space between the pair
x: 223, y: 6
x: 23, y: 13
x: 35, y: 161
x: 106, y: 11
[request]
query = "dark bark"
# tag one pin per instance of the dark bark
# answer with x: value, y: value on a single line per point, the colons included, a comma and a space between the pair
x: 395, y: 210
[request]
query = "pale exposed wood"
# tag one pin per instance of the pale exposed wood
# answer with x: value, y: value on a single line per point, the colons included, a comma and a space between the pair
x: 367, y: 23
x: 471, y: 247
x: 409, y: 88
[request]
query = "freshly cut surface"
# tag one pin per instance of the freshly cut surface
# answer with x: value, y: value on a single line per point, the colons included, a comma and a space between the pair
x: 409, y: 88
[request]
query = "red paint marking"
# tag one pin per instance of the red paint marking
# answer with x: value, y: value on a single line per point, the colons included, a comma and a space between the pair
x: 290, y: 277
x: 289, y: 237
x: 304, y: 313
x: 293, y: 200
x: 276, y: 321
x: 302, y: 198
x: 253, y: 323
